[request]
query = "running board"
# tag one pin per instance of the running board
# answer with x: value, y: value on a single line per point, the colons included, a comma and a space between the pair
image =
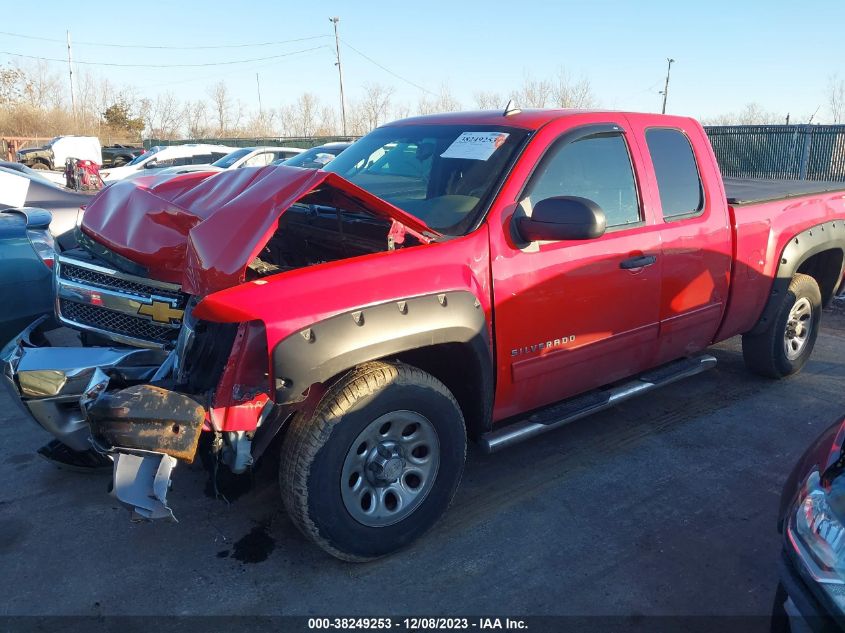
x: 558, y: 415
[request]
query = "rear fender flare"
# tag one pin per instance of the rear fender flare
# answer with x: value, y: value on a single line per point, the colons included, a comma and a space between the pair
x: 812, y: 241
x: 335, y: 345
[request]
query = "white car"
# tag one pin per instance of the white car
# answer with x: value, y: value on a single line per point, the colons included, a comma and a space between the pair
x: 243, y: 157
x: 162, y: 157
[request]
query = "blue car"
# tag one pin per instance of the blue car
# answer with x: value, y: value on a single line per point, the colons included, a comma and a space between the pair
x: 27, y: 253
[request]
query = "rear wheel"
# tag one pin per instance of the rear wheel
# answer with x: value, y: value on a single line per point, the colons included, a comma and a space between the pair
x: 40, y: 165
x: 376, y: 464
x: 784, y: 347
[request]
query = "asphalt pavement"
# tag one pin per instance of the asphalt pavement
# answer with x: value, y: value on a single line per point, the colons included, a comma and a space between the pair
x: 661, y: 506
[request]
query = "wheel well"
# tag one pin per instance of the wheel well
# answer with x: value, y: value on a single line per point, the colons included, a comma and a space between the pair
x: 826, y: 269
x: 457, y: 367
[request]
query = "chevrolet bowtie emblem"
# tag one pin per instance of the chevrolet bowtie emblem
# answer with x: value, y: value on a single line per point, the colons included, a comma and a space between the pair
x: 161, y: 311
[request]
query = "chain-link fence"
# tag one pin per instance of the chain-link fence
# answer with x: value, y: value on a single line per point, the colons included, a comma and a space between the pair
x: 795, y: 152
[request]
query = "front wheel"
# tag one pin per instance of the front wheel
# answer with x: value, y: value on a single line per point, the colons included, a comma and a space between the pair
x: 376, y: 464
x: 786, y: 344
x: 39, y: 165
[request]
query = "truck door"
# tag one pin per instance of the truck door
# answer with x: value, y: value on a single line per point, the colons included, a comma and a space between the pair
x: 573, y: 315
x: 696, y: 240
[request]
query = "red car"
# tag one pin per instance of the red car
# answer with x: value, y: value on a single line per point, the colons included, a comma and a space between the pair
x: 480, y: 275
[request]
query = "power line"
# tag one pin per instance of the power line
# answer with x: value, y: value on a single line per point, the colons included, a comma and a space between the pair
x: 205, y: 64
x: 387, y: 70
x: 156, y: 47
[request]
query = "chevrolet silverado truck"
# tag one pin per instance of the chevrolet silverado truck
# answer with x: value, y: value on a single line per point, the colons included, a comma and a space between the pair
x: 487, y: 275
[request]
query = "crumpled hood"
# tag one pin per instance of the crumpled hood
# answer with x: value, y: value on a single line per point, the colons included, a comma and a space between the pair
x: 202, y: 231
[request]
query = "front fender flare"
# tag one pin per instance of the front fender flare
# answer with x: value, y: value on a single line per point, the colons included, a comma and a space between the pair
x: 325, y: 349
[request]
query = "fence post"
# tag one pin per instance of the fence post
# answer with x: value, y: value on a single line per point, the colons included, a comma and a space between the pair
x: 807, y: 131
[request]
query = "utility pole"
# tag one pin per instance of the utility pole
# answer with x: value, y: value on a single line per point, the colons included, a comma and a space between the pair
x: 258, y: 84
x: 70, y: 75
x: 334, y: 21
x: 666, y: 88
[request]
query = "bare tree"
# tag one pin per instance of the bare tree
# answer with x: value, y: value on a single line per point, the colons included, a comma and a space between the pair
x: 166, y: 117
x: 572, y: 92
x: 221, y: 105
x: 196, y: 119
x: 534, y: 93
x: 751, y: 114
x: 42, y: 88
x: 12, y: 84
x: 489, y: 100
x: 401, y: 111
x: 443, y: 101
x: 376, y: 104
x: 836, y: 98
x: 302, y: 118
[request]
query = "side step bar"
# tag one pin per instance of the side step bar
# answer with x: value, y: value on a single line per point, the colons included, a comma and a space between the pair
x: 558, y: 415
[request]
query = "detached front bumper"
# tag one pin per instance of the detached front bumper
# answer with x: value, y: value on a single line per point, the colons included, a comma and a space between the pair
x: 101, y: 397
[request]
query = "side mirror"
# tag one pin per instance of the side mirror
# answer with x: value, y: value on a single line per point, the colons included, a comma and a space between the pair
x: 150, y: 164
x: 563, y: 218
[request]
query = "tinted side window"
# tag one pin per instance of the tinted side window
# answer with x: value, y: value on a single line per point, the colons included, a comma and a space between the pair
x: 200, y: 159
x: 597, y: 168
x: 677, y: 172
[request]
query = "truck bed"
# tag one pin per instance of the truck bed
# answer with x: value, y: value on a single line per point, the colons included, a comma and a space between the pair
x: 750, y: 190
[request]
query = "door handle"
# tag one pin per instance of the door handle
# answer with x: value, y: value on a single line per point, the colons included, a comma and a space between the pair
x: 641, y: 261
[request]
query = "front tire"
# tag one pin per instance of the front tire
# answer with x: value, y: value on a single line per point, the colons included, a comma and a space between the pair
x: 39, y: 165
x: 376, y: 464
x: 783, y: 348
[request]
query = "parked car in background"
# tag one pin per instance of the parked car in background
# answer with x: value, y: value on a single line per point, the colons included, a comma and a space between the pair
x: 163, y: 156
x: 810, y: 595
x: 54, y: 154
x: 25, y: 269
x: 51, y: 177
x: 241, y: 157
x: 316, y: 157
x: 119, y: 155
x: 19, y: 188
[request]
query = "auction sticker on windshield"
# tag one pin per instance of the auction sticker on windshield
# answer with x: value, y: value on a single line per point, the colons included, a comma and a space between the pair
x: 475, y: 145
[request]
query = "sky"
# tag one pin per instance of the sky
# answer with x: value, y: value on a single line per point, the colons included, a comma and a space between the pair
x: 727, y: 54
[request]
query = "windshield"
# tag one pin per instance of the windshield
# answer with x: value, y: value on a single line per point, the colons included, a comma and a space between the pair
x: 314, y: 158
x: 229, y: 159
x: 145, y: 155
x: 442, y: 174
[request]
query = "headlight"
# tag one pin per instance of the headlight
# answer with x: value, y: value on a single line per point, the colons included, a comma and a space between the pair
x: 816, y: 532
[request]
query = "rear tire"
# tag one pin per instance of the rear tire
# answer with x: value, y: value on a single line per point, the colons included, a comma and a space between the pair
x: 376, y: 464
x: 40, y: 165
x: 783, y: 348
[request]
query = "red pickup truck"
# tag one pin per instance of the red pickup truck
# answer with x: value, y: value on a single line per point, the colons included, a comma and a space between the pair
x: 485, y: 275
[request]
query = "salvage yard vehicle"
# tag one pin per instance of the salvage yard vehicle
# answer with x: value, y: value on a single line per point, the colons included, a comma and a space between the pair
x: 22, y: 187
x: 161, y: 157
x: 118, y: 155
x: 812, y: 522
x: 54, y: 154
x: 26, y: 279
x: 241, y: 157
x: 473, y: 275
x: 316, y: 157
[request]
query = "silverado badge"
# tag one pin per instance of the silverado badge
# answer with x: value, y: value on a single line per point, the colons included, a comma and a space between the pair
x: 161, y: 311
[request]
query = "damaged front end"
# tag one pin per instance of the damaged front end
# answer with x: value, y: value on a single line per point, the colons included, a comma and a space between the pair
x: 144, y: 407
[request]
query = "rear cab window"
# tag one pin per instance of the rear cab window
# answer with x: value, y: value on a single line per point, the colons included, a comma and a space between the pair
x: 676, y: 170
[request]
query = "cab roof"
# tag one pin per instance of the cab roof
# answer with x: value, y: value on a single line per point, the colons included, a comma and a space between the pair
x: 528, y: 119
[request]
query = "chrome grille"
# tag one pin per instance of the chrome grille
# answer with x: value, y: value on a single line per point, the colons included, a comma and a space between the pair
x: 112, y: 321
x: 123, y: 307
x: 102, y: 280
